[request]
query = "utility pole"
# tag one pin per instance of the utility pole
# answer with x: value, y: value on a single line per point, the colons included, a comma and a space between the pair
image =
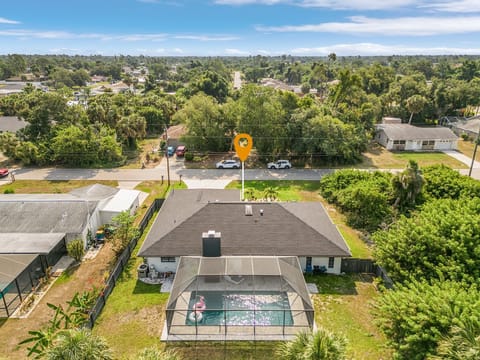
x: 474, y: 153
x: 166, y: 153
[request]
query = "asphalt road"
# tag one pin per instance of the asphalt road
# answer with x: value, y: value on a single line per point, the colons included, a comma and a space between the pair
x: 177, y: 171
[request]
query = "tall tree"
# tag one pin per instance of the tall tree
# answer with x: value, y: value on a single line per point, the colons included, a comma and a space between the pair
x: 415, y: 104
x: 407, y: 186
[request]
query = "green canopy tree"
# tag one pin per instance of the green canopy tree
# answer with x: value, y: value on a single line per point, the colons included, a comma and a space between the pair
x: 440, y: 241
x: 416, y: 316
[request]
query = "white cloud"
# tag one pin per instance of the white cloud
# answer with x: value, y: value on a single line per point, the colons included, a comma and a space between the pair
x: 206, y: 37
x: 462, y: 6
x: 236, y: 52
x: 371, y: 49
x: 413, y: 26
x: 177, y: 51
x: 330, y: 4
x: 8, y: 21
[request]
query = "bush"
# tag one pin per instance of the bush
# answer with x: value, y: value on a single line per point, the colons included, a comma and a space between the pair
x: 9, y: 191
x: 188, y: 156
x: 76, y: 249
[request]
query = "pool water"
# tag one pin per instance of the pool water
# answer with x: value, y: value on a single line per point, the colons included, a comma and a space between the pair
x: 238, y: 308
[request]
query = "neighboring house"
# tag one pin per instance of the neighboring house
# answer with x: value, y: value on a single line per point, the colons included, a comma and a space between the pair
x: 11, y: 124
x: 36, y: 228
x: 399, y: 137
x: 469, y: 127
x: 247, y: 229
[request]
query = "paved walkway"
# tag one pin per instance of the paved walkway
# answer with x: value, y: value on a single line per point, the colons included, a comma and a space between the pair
x: 463, y: 158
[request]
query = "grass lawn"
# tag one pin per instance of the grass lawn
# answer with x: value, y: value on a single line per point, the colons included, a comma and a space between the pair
x: 52, y: 186
x: 467, y: 148
x: 380, y: 158
x: 293, y: 190
x: 344, y: 306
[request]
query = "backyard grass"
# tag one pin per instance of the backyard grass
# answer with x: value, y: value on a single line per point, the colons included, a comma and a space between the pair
x: 343, y: 305
x: 466, y: 147
x: 52, y: 186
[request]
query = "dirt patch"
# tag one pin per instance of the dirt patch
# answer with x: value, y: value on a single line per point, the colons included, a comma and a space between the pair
x: 90, y: 273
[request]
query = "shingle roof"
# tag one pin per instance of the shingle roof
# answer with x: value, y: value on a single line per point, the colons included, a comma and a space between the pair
x: 472, y: 125
x: 296, y: 229
x: 410, y: 132
x: 43, y: 213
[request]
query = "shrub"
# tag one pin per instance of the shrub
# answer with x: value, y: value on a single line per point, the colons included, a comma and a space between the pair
x: 9, y: 191
x: 76, y: 249
x: 188, y: 156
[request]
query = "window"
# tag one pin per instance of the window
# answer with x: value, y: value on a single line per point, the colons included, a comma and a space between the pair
x: 331, y: 262
x: 167, y: 259
x: 399, y: 142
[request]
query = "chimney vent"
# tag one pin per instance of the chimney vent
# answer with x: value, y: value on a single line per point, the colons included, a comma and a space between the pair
x: 248, y: 210
x: 211, y: 244
x: 261, y: 212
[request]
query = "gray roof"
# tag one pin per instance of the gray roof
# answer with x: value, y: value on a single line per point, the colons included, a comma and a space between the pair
x: 28, y: 243
x: 13, y: 265
x: 11, y: 124
x: 94, y: 192
x: 285, y: 229
x: 43, y: 213
x: 410, y: 132
x: 472, y: 125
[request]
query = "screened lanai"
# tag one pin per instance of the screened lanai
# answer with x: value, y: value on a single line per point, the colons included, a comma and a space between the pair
x: 238, y: 298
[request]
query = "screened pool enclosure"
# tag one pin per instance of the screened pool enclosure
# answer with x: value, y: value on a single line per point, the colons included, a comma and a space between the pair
x: 238, y: 298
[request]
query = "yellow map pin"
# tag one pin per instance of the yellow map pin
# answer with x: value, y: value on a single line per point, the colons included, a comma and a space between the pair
x: 243, y: 144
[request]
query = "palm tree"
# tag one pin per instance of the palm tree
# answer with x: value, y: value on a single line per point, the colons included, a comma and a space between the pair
x: 154, y: 353
x: 415, y: 104
x: 462, y: 343
x: 78, y: 344
x: 407, y: 185
x: 320, y: 345
x: 270, y: 193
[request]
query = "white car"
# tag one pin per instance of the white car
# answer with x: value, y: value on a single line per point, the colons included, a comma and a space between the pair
x: 279, y: 164
x: 228, y: 164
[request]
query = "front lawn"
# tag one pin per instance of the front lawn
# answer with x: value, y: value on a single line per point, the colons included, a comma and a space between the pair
x: 52, y: 186
x: 379, y: 158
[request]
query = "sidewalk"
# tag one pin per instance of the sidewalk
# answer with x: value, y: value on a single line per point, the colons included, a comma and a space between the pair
x: 463, y: 158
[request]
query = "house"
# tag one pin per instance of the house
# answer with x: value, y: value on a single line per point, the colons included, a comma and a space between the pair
x: 11, y: 124
x: 36, y: 229
x: 395, y: 136
x: 301, y: 229
x: 466, y: 127
x: 238, y: 265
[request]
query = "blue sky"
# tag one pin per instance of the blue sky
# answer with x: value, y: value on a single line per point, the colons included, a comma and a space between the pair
x: 240, y: 27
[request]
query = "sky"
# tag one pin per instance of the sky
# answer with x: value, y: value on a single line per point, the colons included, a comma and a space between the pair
x: 240, y: 27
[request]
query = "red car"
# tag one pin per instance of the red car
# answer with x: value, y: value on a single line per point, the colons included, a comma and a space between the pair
x: 181, y: 149
x: 3, y: 172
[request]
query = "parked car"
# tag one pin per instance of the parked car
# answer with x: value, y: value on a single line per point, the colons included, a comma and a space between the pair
x: 279, y: 164
x: 170, y: 151
x: 228, y: 164
x: 3, y: 172
x: 181, y: 149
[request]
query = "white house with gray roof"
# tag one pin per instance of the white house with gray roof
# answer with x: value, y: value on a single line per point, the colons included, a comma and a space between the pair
x: 398, y: 137
x: 301, y: 229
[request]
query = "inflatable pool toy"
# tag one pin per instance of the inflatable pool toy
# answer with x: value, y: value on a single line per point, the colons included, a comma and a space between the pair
x: 200, y: 306
x: 195, y: 316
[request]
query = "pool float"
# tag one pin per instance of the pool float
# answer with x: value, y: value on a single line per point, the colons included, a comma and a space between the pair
x: 195, y: 316
x: 200, y: 306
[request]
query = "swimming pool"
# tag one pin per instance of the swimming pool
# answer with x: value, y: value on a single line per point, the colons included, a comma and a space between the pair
x: 242, y: 308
